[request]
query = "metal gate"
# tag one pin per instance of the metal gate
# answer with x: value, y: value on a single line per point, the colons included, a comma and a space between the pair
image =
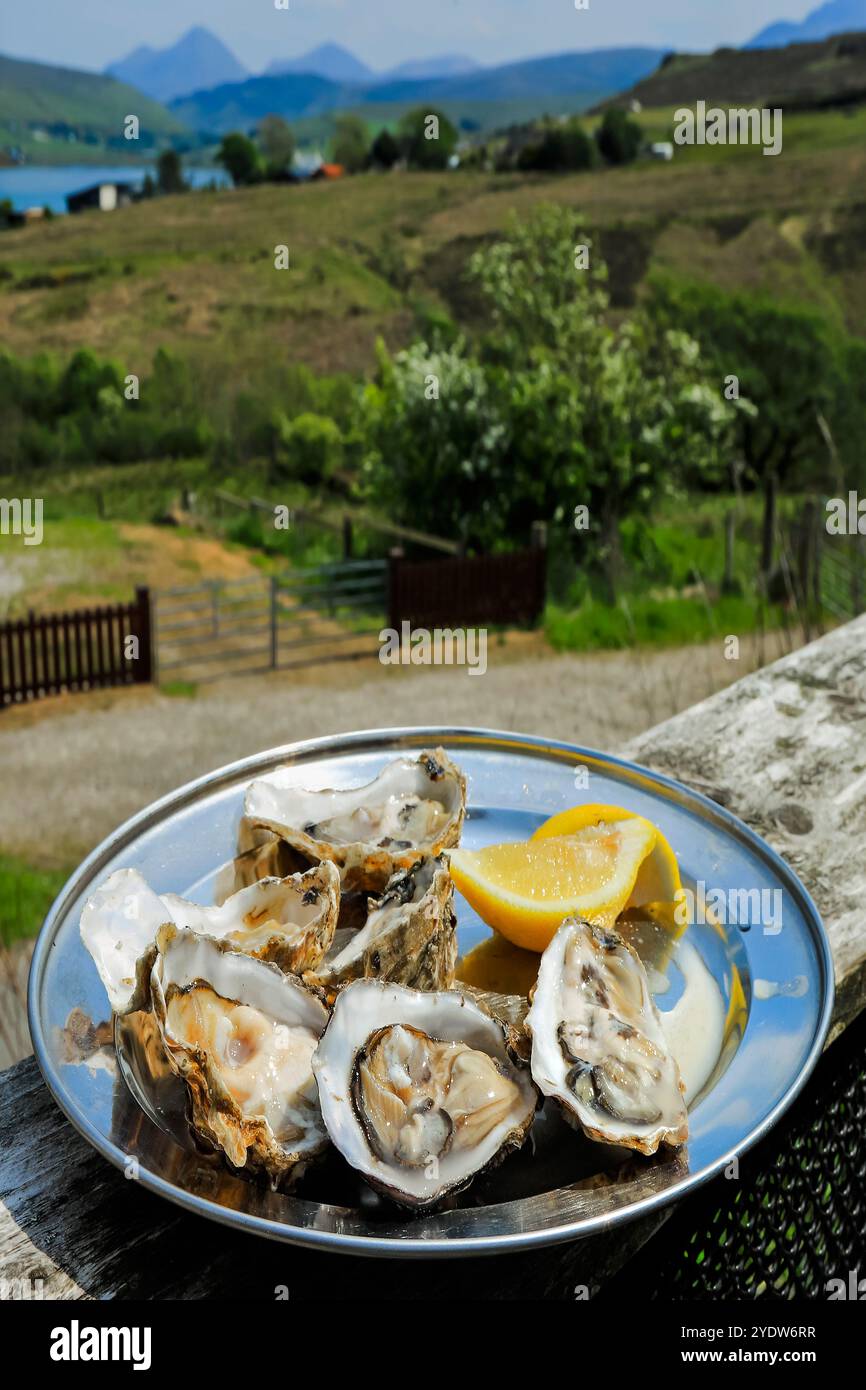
x: 265, y: 623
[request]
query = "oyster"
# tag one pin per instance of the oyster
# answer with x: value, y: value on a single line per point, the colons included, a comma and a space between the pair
x: 597, y: 1042
x: 241, y: 1034
x: 412, y: 809
x: 290, y: 921
x: 408, y: 935
x: 418, y: 1090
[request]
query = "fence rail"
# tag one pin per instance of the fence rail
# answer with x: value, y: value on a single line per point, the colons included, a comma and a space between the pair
x: 343, y: 524
x: 247, y: 626
x: 82, y: 650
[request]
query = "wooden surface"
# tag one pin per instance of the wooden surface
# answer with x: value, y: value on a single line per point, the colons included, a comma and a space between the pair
x: 785, y: 749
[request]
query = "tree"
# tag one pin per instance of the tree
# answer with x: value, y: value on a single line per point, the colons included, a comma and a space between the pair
x: 277, y: 144
x: 619, y: 138
x: 796, y: 369
x: 428, y: 139
x: 240, y: 158
x: 560, y: 148
x: 554, y: 407
x: 349, y: 146
x: 169, y: 173
x: 384, y: 151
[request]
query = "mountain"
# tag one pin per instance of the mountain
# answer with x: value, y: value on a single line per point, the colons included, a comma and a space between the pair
x: 328, y: 60
x: 446, y: 65
x: 240, y: 105
x: 578, y: 78
x: 836, y: 17
x: 598, y: 70
x: 808, y: 76
x: 36, y: 94
x: 198, y: 60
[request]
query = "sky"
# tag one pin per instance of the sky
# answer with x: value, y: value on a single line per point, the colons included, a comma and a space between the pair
x: 92, y: 33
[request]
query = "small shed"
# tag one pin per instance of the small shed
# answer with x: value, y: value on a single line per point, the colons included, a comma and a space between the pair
x: 104, y: 196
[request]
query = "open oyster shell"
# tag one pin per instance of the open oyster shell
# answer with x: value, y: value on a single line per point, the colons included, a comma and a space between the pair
x: 408, y: 935
x: 418, y: 1090
x: 241, y: 1035
x: 290, y: 921
x: 414, y: 808
x: 597, y: 1042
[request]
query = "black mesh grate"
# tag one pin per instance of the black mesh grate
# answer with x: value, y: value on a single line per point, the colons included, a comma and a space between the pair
x: 793, y: 1219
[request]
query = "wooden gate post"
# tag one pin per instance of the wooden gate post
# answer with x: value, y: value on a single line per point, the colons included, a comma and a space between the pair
x: 146, y: 667
x: 395, y: 555
x: 274, y: 627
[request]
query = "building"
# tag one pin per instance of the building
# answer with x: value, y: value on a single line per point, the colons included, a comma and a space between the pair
x: 104, y: 196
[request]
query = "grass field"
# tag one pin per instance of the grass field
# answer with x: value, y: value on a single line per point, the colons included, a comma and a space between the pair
x: 374, y: 255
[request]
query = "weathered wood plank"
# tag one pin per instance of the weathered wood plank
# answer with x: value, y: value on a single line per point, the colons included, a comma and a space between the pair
x: 785, y: 749
x: 71, y: 1221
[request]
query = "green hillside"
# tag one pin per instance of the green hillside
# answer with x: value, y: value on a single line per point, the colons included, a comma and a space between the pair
x: 42, y: 105
x: 375, y: 255
x: 802, y: 76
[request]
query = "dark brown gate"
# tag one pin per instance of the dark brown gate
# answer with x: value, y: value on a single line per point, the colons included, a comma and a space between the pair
x: 469, y: 591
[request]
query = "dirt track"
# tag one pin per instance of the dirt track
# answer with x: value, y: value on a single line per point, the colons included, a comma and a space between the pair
x: 80, y: 765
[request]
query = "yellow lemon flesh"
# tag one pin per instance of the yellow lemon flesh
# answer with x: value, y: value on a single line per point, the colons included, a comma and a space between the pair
x: 658, y: 879
x: 525, y: 890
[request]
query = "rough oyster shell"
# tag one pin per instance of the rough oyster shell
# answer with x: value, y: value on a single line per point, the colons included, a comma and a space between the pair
x: 597, y: 1042
x: 418, y: 1090
x: 408, y: 935
x: 290, y: 921
x: 241, y: 1034
x: 414, y: 808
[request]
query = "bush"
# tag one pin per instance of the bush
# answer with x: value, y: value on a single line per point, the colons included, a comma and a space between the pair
x: 309, y: 448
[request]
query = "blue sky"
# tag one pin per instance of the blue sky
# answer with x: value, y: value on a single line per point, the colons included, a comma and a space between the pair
x: 91, y: 33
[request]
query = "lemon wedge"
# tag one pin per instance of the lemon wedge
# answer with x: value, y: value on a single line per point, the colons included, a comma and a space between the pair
x: 658, y: 879
x: 524, y: 890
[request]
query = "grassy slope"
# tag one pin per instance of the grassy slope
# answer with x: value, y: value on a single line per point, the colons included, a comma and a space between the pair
x: 798, y: 75
x: 196, y: 272
x: 34, y: 92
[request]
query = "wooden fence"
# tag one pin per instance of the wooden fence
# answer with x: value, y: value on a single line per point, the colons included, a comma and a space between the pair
x: 468, y: 591
x: 81, y: 650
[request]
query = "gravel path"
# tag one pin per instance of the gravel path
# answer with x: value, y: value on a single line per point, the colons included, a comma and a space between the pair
x: 81, y: 765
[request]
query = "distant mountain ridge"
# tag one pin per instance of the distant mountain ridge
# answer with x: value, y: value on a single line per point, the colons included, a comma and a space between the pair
x: 835, y: 17
x: 590, y: 75
x: 329, y: 60
x: 198, y: 60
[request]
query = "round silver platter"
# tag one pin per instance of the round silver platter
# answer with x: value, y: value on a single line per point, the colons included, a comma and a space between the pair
x: 777, y: 988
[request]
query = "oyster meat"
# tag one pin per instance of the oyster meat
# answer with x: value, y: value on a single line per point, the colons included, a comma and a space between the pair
x: 414, y: 808
x: 419, y: 1091
x: 241, y: 1035
x: 408, y: 936
x: 598, y: 1046
x: 289, y: 921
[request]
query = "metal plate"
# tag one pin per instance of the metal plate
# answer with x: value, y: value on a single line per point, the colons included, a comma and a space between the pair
x: 559, y: 1187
